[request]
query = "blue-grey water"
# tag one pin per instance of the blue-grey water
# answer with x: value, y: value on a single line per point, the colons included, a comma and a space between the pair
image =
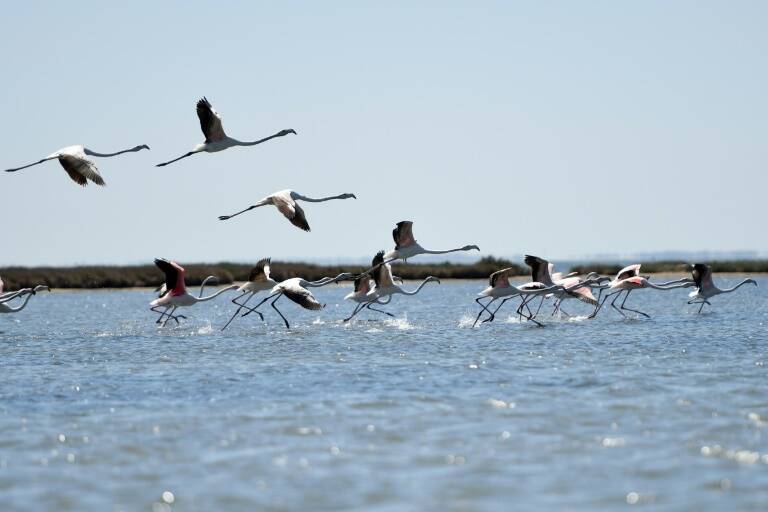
x: 101, y: 410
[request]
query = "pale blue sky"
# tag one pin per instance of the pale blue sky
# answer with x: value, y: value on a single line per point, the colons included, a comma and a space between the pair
x: 557, y: 128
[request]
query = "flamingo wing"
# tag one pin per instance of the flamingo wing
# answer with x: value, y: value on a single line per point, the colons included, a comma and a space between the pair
x: 172, y: 270
x: 500, y: 278
x: 2, y: 284
x: 539, y: 268
x: 302, y: 297
x: 210, y: 121
x: 376, y: 266
x: 403, y: 234
x: 363, y: 284
x: 80, y: 169
x: 702, y: 276
x: 260, y: 272
x: 628, y: 271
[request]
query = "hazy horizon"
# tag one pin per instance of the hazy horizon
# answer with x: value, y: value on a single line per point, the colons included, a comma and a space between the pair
x: 560, y: 129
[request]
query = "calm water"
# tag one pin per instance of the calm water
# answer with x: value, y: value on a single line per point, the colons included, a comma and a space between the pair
x: 100, y: 410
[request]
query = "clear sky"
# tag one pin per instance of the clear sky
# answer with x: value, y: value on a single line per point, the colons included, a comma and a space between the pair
x: 562, y: 129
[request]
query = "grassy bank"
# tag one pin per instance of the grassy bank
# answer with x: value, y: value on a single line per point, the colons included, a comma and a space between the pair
x: 149, y: 275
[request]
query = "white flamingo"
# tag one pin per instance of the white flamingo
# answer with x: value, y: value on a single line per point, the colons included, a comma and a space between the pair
x: 74, y: 160
x: 705, y: 286
x: 285, y: 202
x: 407, y: 247
x: 177, y: 295
x: 385, y: 285
x: 629, y: 279
x: 215, y: 138
x: 296, y: 289
x: 258, y: 280
x: 7, y: 297
x: 363, y: 286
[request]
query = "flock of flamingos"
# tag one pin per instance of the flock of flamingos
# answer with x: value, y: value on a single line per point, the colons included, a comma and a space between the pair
x: 376, y: 285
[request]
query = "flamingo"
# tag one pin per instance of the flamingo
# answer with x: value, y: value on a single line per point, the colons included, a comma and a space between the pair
x: 296, y: 290
x: 360, y: 295
x: 258, y: 280
x: 7, y: 297
x: 705, y: 286
x: 385, y: 285
x: 163, y: 289
x: 285, y: 201
x: 407, y: 247
x: 582, y: 293
x: 215, y: 138
x: 74, y: 160
x: 177, y: 295
x: 629, y: 279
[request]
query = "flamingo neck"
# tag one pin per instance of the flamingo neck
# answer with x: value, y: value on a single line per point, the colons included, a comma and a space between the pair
x: 734, y: 288
x: 94, y: 153
x: 265, y: 139
x: 417, y: 290
x: 21, y: 306
x: 214, y: 295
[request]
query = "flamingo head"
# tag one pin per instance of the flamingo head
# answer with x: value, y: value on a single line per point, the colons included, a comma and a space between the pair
x: 470, y: 248
x: 752, y: 281
x: 40, y: 288
x: 431, y: 279
x: 283, y: 133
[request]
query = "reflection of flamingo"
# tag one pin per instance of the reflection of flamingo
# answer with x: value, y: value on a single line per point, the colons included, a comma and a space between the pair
x: 258, y: 280
x: 296, y: 290
x: 285, y: 201
x: 215, y: 138
x: 705, y: 287
x: 629, y: 279
x: 74, y: 160
x: 7, y: 297
x: 385, y: 285
x: 177, y: 295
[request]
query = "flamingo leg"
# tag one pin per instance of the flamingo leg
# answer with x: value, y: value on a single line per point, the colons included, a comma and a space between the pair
x: 287, y: 325
x: 485, y: 308
x: 170, y: 315
x: 253, y: 309
x: 164, y: 313
x: 529, y: 316
x: 243, y: 304
x: 370, y: 306
x: 600, y: 304
x: 632, y: 310
x: 493, y: 315
x: 358, y: 309
x: 613, y: 302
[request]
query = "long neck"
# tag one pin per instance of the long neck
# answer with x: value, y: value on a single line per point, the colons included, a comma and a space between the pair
x: 324, y: 281
x: 93, y: 153
x: 445, y: 252
x: 214, y: 295
x: 265, y: 139
x: 12, y: 295
x: 205, y: 282
x: 418, y: 289
x: 668, y: 286
x: 22, y: 306
x: 312, y: 200
x: 733, y: 288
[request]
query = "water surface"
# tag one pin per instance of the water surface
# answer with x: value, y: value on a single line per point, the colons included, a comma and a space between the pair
x: 101, y: 410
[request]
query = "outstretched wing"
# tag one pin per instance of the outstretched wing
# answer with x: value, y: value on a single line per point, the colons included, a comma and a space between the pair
x: 539, y: 268
x: 172, y: 270
x: 210, y: 121
x: 260, y: 272
x: 377, y: 267
x: 628, y: 271
x: 403, y: 234
x: 702, y: 275
x: 291, y: 210
x: 362, y: 284
x: 500, y: 278
x: 81, y: 170
x: 302, y: 297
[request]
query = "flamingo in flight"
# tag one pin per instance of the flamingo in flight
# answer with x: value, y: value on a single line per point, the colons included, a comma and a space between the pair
x: 177, y: 295
x: 9, y: 296
x: 629, y: 279
x: 296, y: 289
x: 215, y: 138
x: 74, y: 160
x: 258, y: 280
x: 364, y: 284
x: 407, y: 247
x: 705, y: 286
x: 385, y: 285
x: 285, y: 202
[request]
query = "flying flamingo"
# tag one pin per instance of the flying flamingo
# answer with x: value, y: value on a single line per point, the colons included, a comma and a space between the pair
x: 360, y: 295
x: 407, y: 247
x: 9, y: 296
x: 163, y: 290
x: 258, y: 280
x: 74, y: 160
x: 285, y: 201
x: 629, y: 279
x: 296, y: 290
x: 705, y: 287
x: 385, y: 285
x: 177, y: 295
x: 215, y: 138
x: 582, y: 293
